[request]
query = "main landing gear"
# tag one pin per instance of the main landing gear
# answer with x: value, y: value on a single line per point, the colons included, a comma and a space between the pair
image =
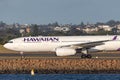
x: 85, y: 54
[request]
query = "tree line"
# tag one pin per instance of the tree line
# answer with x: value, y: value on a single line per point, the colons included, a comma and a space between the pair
x: 8, y: 31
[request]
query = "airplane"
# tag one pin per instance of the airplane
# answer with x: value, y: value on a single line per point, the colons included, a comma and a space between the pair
x: 65, y: 45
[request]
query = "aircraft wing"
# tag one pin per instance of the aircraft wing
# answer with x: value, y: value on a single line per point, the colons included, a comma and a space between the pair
x: 89, y: 44
x: 86, y: 45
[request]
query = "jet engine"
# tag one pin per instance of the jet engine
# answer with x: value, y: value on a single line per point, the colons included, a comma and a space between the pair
x: 65, y: 51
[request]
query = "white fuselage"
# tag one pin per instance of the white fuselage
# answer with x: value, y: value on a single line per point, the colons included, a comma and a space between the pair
x: 51, y: 43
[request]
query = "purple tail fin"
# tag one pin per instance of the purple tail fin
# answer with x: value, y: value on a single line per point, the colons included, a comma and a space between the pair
x: 115, y: 37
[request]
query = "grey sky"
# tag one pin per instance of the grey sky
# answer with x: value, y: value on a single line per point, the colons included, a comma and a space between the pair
x: 62, y: 11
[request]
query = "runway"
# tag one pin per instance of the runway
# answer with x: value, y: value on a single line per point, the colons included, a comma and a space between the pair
x: 95, y: 55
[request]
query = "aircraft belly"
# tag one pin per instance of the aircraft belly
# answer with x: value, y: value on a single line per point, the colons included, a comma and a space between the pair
x: 36, y: 47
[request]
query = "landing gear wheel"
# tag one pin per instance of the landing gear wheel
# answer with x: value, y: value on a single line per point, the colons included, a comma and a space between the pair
x: 86, y: 56
x: 89, y: 56
x: 83, y: 56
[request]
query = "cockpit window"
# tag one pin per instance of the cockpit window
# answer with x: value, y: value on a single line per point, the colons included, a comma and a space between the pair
x: 10, y: 41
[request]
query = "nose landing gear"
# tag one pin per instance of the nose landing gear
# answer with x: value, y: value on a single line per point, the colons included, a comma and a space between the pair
x: 22, y: 55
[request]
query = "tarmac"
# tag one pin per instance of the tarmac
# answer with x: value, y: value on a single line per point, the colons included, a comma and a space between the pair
x: 95, y: 55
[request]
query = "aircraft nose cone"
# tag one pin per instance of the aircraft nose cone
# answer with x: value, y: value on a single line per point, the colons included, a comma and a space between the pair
x: 5, y: 46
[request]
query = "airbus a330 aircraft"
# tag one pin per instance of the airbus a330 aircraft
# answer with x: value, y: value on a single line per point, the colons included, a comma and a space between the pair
x: 65, y: 45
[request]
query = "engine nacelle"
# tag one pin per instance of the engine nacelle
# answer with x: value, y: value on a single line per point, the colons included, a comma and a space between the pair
x: 65, y: 51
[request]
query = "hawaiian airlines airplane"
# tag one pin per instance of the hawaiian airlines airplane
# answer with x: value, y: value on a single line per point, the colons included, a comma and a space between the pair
x: 65, y: 45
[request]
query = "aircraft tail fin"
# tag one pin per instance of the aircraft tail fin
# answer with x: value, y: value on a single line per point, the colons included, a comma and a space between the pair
x: 115, y: 37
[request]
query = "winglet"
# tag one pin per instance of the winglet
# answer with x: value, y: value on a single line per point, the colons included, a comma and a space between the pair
x: 115, y: 37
